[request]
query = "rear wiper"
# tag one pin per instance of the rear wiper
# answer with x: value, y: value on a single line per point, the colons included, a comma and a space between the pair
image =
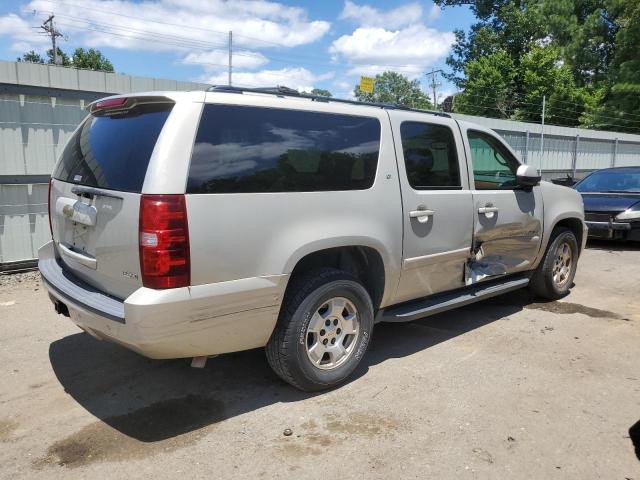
x: 622, y: 191
x: 83, y: 191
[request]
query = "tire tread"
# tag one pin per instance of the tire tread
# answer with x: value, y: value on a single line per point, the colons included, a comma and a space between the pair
x: 280, y: 349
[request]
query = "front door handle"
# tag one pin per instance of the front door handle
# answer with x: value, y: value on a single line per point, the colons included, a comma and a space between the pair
x: 422, y: 215
x: 487, y: 209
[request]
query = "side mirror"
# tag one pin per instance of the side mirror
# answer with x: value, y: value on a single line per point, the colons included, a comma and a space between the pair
x: 528, y: 176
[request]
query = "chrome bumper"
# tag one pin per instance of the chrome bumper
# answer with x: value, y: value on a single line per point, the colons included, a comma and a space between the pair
x: 608, y: 226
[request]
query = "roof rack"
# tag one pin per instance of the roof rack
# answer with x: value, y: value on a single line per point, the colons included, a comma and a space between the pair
x: 282, y: 91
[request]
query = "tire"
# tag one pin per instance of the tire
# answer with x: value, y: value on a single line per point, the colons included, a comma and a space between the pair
x: 301, y: 335
x: 548, y: 281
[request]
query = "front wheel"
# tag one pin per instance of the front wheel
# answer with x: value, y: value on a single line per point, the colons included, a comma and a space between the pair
x: 554, y: 276
x: 323, y: 330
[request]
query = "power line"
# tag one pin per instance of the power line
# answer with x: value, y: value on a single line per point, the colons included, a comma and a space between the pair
x: 515, y: 104
x: 182, y: 25
x: 188, y: 42
x: 554, y: 115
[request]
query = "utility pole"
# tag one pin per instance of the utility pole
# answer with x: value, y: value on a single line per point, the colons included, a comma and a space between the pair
x: 230, y: 54
x: 544, y: 104
x: 50, y: 29
x: 434, y: 85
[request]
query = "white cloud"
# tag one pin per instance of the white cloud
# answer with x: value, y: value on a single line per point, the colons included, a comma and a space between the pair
x: 24, y: 38
x: 215, y: 59
x: 172, y: 25
x: 371, y: 50
x: 434, y: 13
x: 294, y: 77
x: 368, y: 16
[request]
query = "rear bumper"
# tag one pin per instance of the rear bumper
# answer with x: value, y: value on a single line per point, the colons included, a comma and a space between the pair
x: 182, y: 322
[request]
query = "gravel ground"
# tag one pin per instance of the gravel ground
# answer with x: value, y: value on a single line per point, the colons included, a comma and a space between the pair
x: 508, y: 388
x: 8, y: 280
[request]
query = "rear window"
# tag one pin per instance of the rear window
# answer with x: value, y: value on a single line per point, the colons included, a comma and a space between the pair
x: 253, y: 149
x: 113, y: 152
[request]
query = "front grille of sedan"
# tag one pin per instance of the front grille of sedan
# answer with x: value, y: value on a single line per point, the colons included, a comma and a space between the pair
x: 598, y: 216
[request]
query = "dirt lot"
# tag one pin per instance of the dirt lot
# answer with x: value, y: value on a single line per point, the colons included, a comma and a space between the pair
x: 503, y: 389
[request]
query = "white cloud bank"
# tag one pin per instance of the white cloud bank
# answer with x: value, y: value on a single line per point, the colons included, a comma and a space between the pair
x: 395, y: 39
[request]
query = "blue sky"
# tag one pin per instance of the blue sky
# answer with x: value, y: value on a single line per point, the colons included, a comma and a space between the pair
x: 301, y: 44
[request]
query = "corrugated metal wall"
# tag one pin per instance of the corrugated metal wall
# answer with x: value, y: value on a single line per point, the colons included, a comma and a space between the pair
x: 41, y: 105
x: 559, y: 151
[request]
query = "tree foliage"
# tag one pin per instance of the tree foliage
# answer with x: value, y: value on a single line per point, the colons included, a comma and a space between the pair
x: 392, y: 87
x: 90, y: 59
x: 32, y: 57
x: 320, y: 92
x: 582, y: 55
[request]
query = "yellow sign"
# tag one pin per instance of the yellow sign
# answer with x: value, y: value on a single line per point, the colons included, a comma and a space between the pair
x: 366, y: 84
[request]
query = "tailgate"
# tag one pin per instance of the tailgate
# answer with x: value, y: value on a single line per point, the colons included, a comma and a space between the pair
x: 96, y: 190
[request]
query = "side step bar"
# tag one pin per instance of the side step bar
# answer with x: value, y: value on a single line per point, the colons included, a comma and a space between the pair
x: 438, y: 303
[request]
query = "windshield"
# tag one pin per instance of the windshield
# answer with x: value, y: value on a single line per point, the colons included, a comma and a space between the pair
x: 616, y: 181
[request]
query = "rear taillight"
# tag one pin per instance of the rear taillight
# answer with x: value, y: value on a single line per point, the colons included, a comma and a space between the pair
x: 49, y: 206
x: 164, y: 241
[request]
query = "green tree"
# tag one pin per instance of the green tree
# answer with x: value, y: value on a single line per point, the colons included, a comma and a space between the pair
x: 392, y: 87
x: 544, y: 74
x: 512, y: 26
x: 617, y: 104
x: 91, y: 59
x: 63, y: 58
x: 320, y: 92
x: 488, y: 87
x: 583, y: 55
x: 32, y: 57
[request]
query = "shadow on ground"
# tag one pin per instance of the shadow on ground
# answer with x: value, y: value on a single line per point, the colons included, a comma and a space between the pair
x: 634, y: 435
x: 612, y: 246
x: 152, y: 400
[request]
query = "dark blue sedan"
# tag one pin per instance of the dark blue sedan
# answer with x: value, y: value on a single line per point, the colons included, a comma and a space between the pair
x: 612, y: 203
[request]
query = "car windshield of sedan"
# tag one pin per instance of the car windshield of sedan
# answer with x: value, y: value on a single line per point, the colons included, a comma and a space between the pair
x: 611, y: 181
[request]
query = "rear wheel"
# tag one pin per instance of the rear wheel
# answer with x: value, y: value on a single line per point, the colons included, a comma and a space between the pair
x: 554, y: 276
x: 323, y: 330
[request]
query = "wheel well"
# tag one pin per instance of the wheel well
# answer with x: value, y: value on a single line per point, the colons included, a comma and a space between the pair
x: 364, y: 263
x: 573, y: 224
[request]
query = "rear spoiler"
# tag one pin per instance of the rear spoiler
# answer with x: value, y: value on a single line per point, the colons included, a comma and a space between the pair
x: 121, y: 104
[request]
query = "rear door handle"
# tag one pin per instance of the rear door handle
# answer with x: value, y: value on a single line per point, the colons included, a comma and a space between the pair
x: 85, y: 260
x: 487, y: 209
x: 421, y: 215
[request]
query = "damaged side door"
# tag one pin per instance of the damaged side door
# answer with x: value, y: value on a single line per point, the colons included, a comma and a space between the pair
x: 508, y: 218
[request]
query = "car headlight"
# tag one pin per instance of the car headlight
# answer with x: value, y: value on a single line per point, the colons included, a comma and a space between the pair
x: 629, y: 215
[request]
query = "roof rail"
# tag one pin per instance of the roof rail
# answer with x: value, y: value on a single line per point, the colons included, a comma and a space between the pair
x: 283, y: 91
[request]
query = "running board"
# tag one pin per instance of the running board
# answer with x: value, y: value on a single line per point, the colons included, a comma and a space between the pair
x: 438, y: 303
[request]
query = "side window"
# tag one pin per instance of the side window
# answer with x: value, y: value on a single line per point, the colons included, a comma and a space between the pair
x: 430, y: 156
x: 494, y: 167
x: 242, y: 149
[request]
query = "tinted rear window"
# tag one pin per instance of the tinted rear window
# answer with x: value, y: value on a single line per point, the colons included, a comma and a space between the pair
x: 252, y: 149
x: 113, y: 152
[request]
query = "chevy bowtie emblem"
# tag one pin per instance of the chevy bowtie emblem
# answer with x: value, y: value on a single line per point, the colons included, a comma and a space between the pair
x: 67, y: 210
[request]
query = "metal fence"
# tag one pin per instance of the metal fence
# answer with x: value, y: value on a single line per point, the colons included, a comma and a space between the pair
x: 563, y: 151
x: 41, y: 105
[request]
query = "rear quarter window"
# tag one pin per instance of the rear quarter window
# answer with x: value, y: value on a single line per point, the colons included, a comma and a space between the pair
x: 242, y: 149
x: 113, y: 152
